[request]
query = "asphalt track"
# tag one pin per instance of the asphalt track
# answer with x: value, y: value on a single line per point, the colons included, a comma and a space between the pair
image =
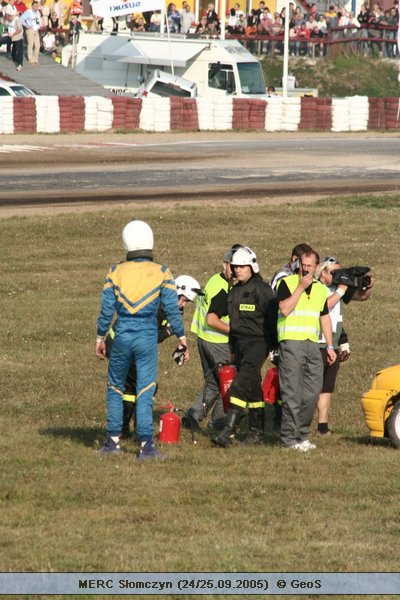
x: 108, y: 168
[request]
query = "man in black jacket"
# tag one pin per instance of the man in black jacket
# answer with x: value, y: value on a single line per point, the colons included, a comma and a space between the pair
x: 252, y: 312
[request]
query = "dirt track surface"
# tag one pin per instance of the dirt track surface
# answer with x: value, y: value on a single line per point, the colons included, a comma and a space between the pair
x: 42, y: 174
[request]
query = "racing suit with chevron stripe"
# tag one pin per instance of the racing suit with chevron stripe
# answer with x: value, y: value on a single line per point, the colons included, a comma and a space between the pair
x: 134, y: 289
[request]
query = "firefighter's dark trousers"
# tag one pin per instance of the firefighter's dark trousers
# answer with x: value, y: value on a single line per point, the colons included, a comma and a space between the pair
x: 250, y: 354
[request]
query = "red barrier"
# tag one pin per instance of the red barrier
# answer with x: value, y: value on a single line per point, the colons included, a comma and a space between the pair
x: 248, y: 114
x: 324, y: 113
x: 24, y: 115
x: 376, y: 113
x: 257, y: 114
x: 240, y: 113
x: 308, y: 114
x: 72, y: 113
x: 184, y: 115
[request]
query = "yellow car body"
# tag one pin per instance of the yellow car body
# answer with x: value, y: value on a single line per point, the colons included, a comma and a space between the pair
x: 381, y: 405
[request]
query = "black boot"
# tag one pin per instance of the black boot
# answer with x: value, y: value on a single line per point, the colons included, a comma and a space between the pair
x: 255, y: 435
x: 129, y: 411
x: 224, y: 438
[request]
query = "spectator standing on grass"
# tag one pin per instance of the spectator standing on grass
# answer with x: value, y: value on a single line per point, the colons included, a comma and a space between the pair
x: 337, y: 295
x: 252, y: 334
x: 303, y: 313
x: 31, y: 21
x: 134, y: 289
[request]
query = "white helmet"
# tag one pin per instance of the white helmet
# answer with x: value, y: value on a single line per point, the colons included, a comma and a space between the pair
x: 245, y: 256
x: 188, y: 286
x: 137, y: 235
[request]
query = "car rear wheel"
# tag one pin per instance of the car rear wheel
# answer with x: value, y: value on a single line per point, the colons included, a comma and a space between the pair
x: 393, y: 425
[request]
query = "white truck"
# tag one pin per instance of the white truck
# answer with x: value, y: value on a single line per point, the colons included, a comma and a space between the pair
x: 122, y: 62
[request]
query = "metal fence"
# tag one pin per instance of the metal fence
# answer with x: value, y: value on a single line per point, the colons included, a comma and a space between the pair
x: 374, y: 41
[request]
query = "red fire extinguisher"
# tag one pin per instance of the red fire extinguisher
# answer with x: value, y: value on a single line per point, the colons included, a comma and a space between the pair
x: 170, y: 426
x: 270, y: 385
x: 226, y: 374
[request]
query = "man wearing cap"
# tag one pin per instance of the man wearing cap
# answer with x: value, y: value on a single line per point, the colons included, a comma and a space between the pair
x: 211, y: 325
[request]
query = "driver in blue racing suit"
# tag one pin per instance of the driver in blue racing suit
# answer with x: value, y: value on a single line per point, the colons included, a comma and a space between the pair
x: 134, y: 289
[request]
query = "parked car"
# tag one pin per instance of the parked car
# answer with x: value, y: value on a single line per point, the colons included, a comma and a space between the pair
x: 11, y: 88
x: 381, y: 405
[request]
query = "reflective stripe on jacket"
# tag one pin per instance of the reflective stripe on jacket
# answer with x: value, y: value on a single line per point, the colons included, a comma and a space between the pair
x: 199, y: 326
x: 303, y: 322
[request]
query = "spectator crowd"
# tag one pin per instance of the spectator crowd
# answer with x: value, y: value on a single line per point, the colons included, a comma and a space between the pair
x: 311, y: 30
x: 46, y: 26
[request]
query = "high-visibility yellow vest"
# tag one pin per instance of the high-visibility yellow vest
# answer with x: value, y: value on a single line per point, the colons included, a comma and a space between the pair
x: 303, y: 322
x: 199, y: 326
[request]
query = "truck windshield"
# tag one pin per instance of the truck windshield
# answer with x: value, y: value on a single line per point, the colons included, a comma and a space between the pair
x: 251, y: 78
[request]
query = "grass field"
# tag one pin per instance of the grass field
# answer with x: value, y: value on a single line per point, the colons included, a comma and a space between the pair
x: 242, y: 509
x: 340, y: 76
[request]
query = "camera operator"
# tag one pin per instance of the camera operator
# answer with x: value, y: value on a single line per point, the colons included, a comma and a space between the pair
x: 337, y: 294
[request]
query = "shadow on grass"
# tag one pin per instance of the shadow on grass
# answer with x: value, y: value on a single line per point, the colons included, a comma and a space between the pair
x: 83, y: 435
x: 370, y: 441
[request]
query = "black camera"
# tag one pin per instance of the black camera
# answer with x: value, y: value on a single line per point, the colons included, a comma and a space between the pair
x: 353, y: 277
